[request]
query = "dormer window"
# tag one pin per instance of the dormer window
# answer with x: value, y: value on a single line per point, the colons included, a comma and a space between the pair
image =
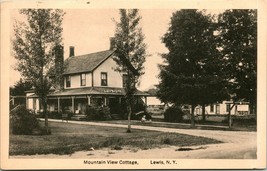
x: 83, y: 80
x: 104, y: 79
x: 68, y: 82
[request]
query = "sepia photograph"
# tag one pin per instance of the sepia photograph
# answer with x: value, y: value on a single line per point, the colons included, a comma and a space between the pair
x: 146, y: 86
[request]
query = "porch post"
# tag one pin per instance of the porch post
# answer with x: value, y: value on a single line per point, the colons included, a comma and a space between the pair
x: 72, y: 98
x: 58, y: 104
x: 89, y: 100
x: 13, y: 100
x: 105, y: 101
x: 145, y: 100
x: 27, y: 103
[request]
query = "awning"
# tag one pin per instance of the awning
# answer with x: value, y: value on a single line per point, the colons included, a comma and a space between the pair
x: 92, y: 91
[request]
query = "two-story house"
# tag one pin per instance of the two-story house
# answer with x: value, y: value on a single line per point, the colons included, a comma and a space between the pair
x: 90, y: 79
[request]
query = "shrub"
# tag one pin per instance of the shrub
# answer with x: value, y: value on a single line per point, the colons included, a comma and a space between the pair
x: 120, y: 109
x: 23, y: 121
x: 138, y: 106
x: 97, y: 113
x: 54, y: 115
x: 173, y: 114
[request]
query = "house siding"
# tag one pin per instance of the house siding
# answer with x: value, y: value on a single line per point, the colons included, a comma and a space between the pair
x: 76, y: 81
x: 221, y: 108
x: 88, y: 80
x: 75, y: 97
x: 114, y: 78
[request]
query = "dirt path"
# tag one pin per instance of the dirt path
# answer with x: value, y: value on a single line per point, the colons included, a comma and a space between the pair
x: 237, y: 145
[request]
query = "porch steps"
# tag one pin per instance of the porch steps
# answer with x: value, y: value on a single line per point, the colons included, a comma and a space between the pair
x: 116, y: 117
x: 78, y: 117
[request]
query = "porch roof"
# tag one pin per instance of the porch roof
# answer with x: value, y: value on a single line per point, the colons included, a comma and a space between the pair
x: 92, y: 91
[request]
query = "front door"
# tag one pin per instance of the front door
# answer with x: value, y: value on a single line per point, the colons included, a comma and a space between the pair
x: 114, y: 105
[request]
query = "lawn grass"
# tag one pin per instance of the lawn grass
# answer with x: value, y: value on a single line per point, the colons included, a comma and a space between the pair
x: 67, y: 138
x: 207, y: 126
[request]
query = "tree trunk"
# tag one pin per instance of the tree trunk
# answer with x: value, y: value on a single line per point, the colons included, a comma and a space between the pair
x: 129, y: 118
x: 129, y: 109
x: 130, y: 98
x: 230, y: 117
x: 193, y: 116
x: 44, y: 103
x: 203, y: 113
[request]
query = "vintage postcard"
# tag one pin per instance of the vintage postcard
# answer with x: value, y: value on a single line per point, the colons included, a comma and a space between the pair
x: 174, y: 84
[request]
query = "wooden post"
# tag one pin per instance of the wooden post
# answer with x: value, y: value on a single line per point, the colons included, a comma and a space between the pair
x: 105, y: 101
x: 145, y: 100
x: 27, y: 103
x: 73, y: 109
x: 13, y: 100
x: 58, y: 104
x: 89, y: 100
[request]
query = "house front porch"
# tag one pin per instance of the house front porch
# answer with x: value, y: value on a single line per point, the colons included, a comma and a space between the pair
x: 75, y: 101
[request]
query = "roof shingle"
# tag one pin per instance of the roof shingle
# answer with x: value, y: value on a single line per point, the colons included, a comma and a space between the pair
x: 85, y: 63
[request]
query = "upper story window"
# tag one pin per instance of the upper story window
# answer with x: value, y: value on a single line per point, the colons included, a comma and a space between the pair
x: 83, y: 80
x: 68, y: 82
x: 124, y: 80
x: 104, y: 79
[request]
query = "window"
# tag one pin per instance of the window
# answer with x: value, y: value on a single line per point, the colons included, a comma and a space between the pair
x: 83, y: 80
x: 68, y: 81
x: 104, y: 79
x: 124, y: 80
x: 211, y: 108
x: 227, y: 107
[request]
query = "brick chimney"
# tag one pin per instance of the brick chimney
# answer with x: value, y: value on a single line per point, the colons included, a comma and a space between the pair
x: 59, y: 64
x: 71, y: 51
x: 112, y: 43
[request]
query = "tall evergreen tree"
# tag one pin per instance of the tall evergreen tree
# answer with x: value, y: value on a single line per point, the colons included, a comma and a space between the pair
x: 238, y: 44
x: 191, y: 73
x: 20, y: 87
x: 33, y: 47
x: 129, y: 43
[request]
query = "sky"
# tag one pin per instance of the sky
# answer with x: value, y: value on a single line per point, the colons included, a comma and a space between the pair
x: 89, y: 30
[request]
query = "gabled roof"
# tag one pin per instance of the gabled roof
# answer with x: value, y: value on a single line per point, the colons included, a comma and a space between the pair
x: 85, y: 63
x: 89, y: 62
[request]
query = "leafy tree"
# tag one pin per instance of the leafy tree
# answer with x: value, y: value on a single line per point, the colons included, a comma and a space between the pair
x: 129, y: 44
x: 191, y: 73
x: 33, y: 46
x: 238, y: 44
x: 20, y: 87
